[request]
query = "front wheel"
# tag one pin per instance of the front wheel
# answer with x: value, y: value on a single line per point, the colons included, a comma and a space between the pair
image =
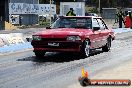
x: 39, y: 53
x: 107, y: 47
x: 85, y: 48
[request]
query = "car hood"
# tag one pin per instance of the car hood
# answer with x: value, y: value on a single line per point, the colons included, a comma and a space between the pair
x: 62, y: 32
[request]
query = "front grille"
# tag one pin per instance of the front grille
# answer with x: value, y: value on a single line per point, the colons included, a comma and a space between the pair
x: 53, y: 39
x: 62, y: 45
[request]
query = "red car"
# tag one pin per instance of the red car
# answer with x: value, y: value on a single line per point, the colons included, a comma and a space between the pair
x: 73, y: 34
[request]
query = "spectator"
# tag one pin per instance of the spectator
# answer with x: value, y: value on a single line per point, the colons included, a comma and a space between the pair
x: 71, y: 12
x: 20, y: 20
x: 55, y: 17
x: 120, y: 16
x: 127, y: 21
x: 130, y: 16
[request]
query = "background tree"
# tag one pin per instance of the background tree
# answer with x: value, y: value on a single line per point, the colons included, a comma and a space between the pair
x: 44, y: 1
x: 103, y: 3
x: 110, y: 3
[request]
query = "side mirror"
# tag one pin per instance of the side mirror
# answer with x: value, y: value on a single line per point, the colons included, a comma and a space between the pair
x: 96, y: 28
x: 48, y: 27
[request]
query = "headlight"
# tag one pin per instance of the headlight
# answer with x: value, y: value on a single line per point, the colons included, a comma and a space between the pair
x: 73, y: 38
x: 36, y: 37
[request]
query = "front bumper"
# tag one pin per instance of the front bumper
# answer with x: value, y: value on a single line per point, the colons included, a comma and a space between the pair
x: 64, y: 46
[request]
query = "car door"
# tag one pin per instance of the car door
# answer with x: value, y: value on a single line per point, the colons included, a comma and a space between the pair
x: 103, y: 35
x: 95, y: 36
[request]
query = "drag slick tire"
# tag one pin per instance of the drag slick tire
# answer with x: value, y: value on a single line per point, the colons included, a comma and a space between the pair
x: 107, y: 47
x: 39, y: 53
x: 85, y: 51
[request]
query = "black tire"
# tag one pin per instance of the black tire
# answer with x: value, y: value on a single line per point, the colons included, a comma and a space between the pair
x: 107, y: 47
x: 39, y: 53
x: 85, y: 51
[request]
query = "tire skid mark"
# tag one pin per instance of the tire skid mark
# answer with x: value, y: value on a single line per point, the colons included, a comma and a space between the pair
x: 60, y: 68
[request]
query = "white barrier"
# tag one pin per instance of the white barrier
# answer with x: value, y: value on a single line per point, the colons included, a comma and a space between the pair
x: 16, y: 38
x: 12, y: 38
x: 1, y: 42
x: 5, y: 38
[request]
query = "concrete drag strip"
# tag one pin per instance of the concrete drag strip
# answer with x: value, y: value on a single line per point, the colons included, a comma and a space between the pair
x: 122, y: 30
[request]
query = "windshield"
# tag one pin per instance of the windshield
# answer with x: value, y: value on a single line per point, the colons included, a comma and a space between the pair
x: 73, y: 23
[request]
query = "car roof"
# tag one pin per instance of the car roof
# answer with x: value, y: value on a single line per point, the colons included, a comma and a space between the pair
x: 79, y: 17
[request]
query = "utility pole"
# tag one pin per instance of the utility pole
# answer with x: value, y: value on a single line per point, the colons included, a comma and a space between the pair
x: 99, y: 8
x: 50, y: 12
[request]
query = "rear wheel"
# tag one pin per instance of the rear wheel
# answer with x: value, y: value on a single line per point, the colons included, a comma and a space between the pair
x: 107, y: 47
x: 85, y: 49
x: 39, y: 53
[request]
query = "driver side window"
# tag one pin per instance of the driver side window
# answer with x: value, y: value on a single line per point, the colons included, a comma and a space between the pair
x: 95, y: 23
x: 102, y: 25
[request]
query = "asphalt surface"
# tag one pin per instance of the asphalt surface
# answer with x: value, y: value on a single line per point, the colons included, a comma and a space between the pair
x: 60, y: 70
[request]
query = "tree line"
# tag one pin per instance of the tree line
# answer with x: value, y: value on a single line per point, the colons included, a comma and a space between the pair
x: 110, y: 3
x: 103, y: 3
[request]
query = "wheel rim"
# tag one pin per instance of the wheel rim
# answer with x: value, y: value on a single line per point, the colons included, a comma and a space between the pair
x: 87, y: 48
